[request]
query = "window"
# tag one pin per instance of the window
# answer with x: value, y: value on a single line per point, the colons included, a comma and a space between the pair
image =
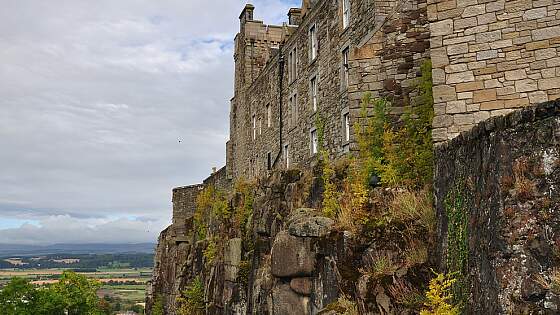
x: 260, y: 127
x: 268, y: 161
x: 346, y: 124
x: 313, y: 43
x: 345, y: 67
x: 313, y: 89
x: 292, y: 102
x: 268, y: 115
x: 254, y: 127
x: 345, y: 13
x: 314, y: 141
x: 292, y: 65
x: 287, y: 155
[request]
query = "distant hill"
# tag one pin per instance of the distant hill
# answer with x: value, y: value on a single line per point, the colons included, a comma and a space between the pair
x: 33, y: 250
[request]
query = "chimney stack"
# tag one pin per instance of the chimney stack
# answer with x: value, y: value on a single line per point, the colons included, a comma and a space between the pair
x: 294, y: 16
x: 247, y: 13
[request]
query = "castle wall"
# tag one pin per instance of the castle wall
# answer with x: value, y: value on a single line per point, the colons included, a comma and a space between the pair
x: 491, y: 57
x: 387, y: 44
x: 498, y: 207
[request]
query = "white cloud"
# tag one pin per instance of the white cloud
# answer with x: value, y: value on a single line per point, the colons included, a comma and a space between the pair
x: 96, y: 94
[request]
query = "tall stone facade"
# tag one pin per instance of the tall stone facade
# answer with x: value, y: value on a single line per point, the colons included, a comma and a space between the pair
x: 317, y: 68
x: 491, y: 57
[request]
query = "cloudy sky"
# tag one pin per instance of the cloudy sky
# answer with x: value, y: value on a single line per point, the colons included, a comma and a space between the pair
x: 94, y: 98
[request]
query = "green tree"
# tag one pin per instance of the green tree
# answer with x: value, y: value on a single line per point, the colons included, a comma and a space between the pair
x: 17, y: 297
x: 78, y: 294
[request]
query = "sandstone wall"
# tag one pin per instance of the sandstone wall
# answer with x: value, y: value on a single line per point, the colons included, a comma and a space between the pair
x: 490, y: 57
x: 498, y: 202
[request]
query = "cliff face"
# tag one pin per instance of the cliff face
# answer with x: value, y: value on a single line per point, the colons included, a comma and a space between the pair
x: 261, y: 248
x: 285, y: 258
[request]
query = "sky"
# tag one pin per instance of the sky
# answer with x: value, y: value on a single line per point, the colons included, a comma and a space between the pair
x: 107, y: 105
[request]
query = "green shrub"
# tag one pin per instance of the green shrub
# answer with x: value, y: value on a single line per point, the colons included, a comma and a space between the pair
x: 192, y: 300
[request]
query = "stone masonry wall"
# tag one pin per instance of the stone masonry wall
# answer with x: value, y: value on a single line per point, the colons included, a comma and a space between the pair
x: 498, y: 203
x: 490, y: 57
x: 387, y: 42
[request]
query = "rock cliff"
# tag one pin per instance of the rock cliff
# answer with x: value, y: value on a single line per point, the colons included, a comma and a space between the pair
x: 262, y: 248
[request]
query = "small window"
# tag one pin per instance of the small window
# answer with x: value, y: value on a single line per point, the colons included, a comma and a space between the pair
x: 268, y: 116
x: 260, y: 127
x: 287, y: 155
x: 313, y: 43
x: 346, y: 124
x: 313, y: 89
x: 269, y: 161
x: 314, y: 142
x: 254, y: 127
x: 292, y: 65
x: 345, y: 13
x: 292, y: 102
x: 345, y: 67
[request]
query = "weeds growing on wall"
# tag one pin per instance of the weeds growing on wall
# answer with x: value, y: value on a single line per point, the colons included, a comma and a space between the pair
x: 210, y: 203
x: 211, y: 251
x: 244, y: 212
x: 457, y: 242
x: 191, y: 301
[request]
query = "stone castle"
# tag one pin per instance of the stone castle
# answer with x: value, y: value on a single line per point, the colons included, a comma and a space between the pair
x: 489, y: 57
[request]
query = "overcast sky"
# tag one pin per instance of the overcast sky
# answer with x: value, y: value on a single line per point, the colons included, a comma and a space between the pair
x: 94, y: 98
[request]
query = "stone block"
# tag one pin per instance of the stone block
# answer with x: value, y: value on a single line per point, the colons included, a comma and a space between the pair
x: 535, y: 13
x: 518, y: 102
x: 550, y: 83
x: 492, y: 105
x: 442, y: 121
x: 444, y: 27
x: 501, y: 44
x: 461, y: 67
x: 538, y: 97
x: 526, y: 85
x: 438, y: 76
x: 463, y: 119
x: 484, y: 95
x: 547, y: 53
x: 460, y: 24
x: 464, y: 95
x: 537, y: 45
x: 486, y: 18
x: 493, y: 6
x: 439, y: 57
x: 487, y: 37
x: 457, y: 49
x: 474, y: 10
x: 480, y: 116
x: 471, y: 86
x: 546, y: 33
x: 439, y: 134
x: 460, y: 77
x: 444, y: 93
x: 487, y: 54
x: 516, y: 75
x: 455, y: 107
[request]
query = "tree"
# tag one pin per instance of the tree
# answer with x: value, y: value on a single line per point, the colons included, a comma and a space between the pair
x: 17, y: 297
x: 78, y: 294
